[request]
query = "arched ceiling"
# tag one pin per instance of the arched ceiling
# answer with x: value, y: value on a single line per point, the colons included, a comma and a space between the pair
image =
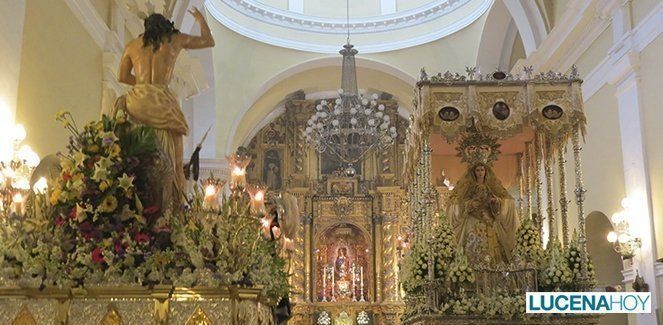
x: 320, y: 25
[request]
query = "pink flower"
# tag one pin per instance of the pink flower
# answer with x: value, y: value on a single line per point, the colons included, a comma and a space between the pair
x: 97, y: 257
x: 142, y: 238
x: 72, y: 213
x: 151, y: 210
x: 59, y: 221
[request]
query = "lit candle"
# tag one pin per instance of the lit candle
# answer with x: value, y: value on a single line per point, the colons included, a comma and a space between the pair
x: 211, y: 188
x: 257, y: 194
x: 17, y: 204
x: 238, y: 164
x: 238, y: 177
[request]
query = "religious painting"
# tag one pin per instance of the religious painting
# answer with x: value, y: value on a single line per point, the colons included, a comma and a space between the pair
x: 342, y: 258
x: 448, y: 113
x: 271, y: 169
x: 501, y: 110
x: 552, y: 112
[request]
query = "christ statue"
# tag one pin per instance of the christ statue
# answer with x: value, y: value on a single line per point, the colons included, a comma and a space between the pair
x: 151, y: 57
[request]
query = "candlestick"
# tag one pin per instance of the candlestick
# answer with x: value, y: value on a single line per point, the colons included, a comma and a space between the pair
x: 361, y: 281
x: 333, y: 291
x: 324, y: 284
x: 354, y: 288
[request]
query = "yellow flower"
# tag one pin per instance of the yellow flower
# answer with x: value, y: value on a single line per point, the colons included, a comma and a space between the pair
x: 103, y: 186
x: 55, y: 195
x: 66, y: 164
x: 109, y: 204
x: 115, y: 150
x: 79, y: 158
x: 93, y: 148
x: 126, y: 182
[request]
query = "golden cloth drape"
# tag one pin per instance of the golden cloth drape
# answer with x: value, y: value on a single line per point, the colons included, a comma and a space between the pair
x: 156, y: 106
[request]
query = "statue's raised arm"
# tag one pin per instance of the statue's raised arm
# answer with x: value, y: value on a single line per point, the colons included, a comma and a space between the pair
x: 147, y: 64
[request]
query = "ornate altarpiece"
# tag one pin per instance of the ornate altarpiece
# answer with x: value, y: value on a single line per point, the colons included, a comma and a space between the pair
x: 346, y: 224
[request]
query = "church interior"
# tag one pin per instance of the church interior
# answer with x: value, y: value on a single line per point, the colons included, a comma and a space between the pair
x: 328, y: 162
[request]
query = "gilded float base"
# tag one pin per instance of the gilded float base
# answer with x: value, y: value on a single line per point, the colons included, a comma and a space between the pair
x: 134, y: 305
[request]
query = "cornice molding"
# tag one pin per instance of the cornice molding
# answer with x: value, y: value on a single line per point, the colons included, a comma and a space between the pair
x: 623, y: 58
x: 359, y: 26
x: 376, y: 24
x: 91, y: 20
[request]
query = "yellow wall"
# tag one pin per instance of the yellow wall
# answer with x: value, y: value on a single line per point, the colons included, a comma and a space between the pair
x: 651, y: 72
x: 60, y: 69
x: 103, y: 7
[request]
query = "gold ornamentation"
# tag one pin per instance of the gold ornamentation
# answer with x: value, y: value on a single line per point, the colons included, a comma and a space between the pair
x: 503, y: 123
x: 24, y: 317
x: 199, y: 318
x: 112, y: 317
x: 452, y: 125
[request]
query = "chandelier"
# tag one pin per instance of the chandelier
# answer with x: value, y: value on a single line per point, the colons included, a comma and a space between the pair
x: 351, y: 126
x: 15, y: 175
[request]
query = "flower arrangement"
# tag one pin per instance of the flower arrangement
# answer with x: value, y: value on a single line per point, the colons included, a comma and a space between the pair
x: 556, y: 274
x: 572, y: 256
x: 442, y: 245
x: 528, y: 250
x: 414, y: 268
x: 100, y: 224
x: 460, y: 273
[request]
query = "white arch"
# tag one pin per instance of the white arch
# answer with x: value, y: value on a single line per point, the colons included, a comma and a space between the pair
x: 530, y: 23
x: 497, y: 39
x: 331, y: 61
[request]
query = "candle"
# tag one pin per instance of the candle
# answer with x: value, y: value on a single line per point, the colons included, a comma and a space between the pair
x: 333, y: 291
x: 238, y: 178
x: 257, y: 194
x: 354, y: 276
x: 238, y: 164
x: 324, y: 284
x: 361, y: 281
x: 17, y: 204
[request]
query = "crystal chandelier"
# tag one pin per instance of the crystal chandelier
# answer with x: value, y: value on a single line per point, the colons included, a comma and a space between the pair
x: 15, y: 174
x: 351, y: 126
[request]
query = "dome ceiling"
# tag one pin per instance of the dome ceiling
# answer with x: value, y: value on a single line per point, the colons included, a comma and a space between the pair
x: 320, y: 25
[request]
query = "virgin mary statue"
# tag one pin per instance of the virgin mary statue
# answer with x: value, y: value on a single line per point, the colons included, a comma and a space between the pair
x: 482, y: 216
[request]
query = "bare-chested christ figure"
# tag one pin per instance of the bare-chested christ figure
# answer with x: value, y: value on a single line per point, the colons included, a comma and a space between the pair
x: 152, y: 58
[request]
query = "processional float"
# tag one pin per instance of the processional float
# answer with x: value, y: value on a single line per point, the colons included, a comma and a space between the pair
x: 541, y: 117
